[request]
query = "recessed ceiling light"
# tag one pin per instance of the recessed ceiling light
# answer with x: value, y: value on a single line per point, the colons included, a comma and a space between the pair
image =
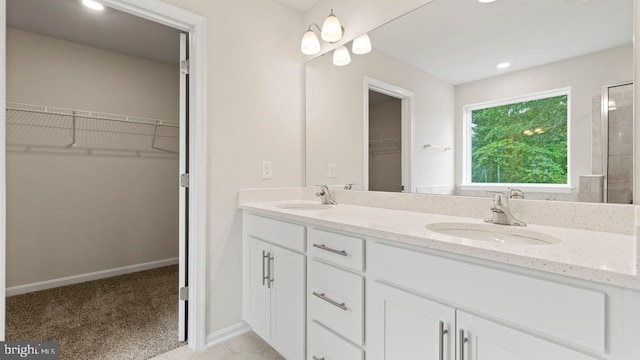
x: 93, y: 5
x: 486, y: 1
x: 503, y: 65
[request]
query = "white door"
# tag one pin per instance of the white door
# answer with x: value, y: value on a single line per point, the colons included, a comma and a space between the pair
x: 183, y: 227
x: 259, y: 307
x: 486, y: 340
x: 402, y: 326
x: 287, y: 303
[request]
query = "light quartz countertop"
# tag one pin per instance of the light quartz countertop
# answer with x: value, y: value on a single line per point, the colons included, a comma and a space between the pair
x: 602, y: 257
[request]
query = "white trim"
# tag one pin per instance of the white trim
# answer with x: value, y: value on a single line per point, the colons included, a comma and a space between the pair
x: 228, y: 333
x: 466, y: 136
x: 3, y: 163
x: 542, y: 188
x: 96, y: 275
x: 408, y: 129
x: 176, y: 17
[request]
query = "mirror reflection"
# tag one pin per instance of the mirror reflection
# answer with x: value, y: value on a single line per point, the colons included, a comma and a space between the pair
x: 459, y: 97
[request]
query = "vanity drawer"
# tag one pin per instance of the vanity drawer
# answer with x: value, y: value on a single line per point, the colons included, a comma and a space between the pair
x: 335, y: 299
x: 565, y: 312
x: 323, y: 344
x: 291, y: 236
x: 340, y: 249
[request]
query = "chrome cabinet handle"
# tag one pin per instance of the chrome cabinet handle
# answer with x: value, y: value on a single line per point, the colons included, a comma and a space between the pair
x: 334, y: 303
x: 270, y: 279
x: 323, y: 247
x: 264, y: 257
x: 317, y: 358
x: 461, y: 341
x: 442, y: 332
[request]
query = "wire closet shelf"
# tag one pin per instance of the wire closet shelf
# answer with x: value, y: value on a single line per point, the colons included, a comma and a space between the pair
x: 66, y: 127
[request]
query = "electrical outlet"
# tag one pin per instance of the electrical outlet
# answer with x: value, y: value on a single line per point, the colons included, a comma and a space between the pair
x: 267, y: 170
x: 332, y: 171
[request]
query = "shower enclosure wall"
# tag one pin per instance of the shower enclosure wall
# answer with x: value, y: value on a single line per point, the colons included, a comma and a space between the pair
x: 617, y: 143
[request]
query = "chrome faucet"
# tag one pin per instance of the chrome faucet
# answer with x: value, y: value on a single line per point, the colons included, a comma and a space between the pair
x: 325, y: 195
x: 516, y: 193
x: 501, y: 212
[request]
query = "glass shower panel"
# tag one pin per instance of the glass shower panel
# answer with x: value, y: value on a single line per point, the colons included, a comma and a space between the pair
x: 619, y: 160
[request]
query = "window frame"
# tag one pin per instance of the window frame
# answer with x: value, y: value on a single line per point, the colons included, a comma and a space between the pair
x: 467, y: 148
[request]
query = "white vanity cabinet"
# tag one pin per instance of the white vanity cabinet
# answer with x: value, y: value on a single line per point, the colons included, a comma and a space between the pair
x: 322, y: 294
x: 415, y: 301
x: 275, y: 283
x: 405, y: 326
x: 486, y: 340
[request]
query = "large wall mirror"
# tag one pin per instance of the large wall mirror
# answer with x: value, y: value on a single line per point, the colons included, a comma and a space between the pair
x: 458, y: 97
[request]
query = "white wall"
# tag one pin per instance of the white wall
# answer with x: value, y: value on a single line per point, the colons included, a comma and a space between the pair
x: 585, y: 75
x: 255, y: 95
x: 69, y: 213
x: 335, y: 119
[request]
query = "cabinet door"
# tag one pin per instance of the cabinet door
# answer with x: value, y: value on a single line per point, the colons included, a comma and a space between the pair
x: 402, y: 326
x: 486, y: 340
x: 288, y: 303
x: 259, y: 297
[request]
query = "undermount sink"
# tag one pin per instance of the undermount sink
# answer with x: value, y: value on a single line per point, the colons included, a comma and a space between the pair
x: 502, y: 234
x: 303, y: 206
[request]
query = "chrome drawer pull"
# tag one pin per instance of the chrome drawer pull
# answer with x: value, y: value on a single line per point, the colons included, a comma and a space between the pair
x: 461, y: 341
x: 264, y: 277
x: 334, y: 303
x: 442, y: 332
x: 339, y: 252
x: 317, y: 358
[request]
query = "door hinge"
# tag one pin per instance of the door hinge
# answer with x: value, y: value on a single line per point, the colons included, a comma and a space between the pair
x: 184, y: 180
x: 184, y: 293
x: 184, y: 67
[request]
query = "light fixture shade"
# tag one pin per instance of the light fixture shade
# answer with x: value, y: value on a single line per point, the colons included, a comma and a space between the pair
x: 341, y: 56
x: 361, y: 45
x: 331, y: 29
x: 310, y: 43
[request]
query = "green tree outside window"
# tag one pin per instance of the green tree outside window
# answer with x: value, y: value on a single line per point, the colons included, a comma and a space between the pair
x: 520, y: 143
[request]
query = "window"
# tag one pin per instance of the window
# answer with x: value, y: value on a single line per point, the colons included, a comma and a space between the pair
x: 520, y: 141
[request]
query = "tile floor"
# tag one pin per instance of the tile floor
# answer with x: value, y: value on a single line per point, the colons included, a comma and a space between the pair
x: 244, y: 347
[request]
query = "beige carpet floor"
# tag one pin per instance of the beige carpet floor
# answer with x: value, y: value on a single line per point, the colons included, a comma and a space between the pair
x: 128, y: 317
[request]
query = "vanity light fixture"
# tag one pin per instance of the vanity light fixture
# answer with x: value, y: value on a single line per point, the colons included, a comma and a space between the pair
x: 538, y: 131
x: 93, y: 5
x: 361, y: 45
x: 331, y: 32
x: 528, y: 132
x: 341, y: 56
x: 503, y: 65
x: 310, y: 42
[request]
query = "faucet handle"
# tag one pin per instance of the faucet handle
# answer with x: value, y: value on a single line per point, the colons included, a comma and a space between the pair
x: 348, y: 186
x: 499, y: 197
x: 516, y: 193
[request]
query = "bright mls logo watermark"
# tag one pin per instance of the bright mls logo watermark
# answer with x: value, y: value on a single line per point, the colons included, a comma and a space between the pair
x: 40, y: 350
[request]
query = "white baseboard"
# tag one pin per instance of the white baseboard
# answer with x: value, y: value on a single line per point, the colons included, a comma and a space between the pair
x: 227, y: 333
x: 75, y: 279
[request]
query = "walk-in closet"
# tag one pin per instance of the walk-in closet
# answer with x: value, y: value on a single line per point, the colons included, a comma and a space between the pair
x: 93, y: 155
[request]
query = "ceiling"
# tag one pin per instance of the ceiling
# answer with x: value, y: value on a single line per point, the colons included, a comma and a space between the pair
x: 299, y: 5
x: 109, y: 29
x: 461, y: 41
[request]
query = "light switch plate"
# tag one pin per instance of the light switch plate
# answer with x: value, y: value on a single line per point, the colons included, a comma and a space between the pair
x: 267, y: 170
x: 332, y: 171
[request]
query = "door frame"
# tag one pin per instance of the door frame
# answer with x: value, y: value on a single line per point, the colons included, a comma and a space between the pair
x: 195, y: 25
x: 408, y: 124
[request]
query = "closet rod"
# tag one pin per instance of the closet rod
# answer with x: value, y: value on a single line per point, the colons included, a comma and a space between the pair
x: 88, y: 115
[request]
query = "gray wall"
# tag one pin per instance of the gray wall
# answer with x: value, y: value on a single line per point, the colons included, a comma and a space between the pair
x: 70, y: 213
